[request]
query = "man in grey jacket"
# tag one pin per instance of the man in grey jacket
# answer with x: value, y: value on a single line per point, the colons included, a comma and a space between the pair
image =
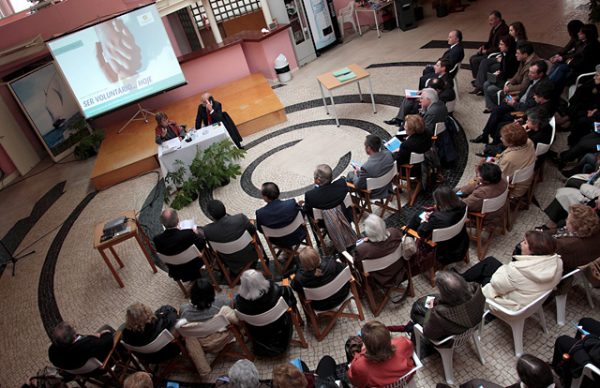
x: 433, y: 110
x: 379, y: 163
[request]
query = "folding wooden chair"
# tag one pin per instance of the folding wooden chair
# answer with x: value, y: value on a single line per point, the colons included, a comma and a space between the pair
x: 362, y: 198
x: 319, y: 229
x: 406, y: 180
x: 477, y: 222
x: 521, y: 175
x: 217, y: 324
x: 276, y: 250
x: 191, y: 253
x: 271, y: 316
x: 377, y: 264
x: 324, y: 292
x: 235, y: 246
x: 440, y: 235
x: 98, y: 372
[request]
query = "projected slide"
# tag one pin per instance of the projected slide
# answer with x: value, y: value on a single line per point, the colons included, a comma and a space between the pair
x: 119, y: 61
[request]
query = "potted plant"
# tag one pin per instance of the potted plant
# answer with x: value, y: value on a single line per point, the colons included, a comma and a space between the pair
x: 89, y: 145
x: 211, y: 168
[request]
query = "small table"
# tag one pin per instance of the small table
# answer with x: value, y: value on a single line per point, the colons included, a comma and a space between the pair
x: 330, y: 82
x: 131, y: 231
x: 380, y: 5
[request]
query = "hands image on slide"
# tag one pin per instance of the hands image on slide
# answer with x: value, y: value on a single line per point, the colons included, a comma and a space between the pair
x: 118, y: 54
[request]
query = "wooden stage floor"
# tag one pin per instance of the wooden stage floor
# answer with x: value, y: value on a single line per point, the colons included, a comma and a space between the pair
x: 250, y: 102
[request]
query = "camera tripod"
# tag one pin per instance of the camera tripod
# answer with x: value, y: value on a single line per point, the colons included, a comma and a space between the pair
x: 12, y: 258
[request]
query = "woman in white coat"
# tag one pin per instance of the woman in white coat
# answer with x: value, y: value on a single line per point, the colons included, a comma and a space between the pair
x: 514, y: 285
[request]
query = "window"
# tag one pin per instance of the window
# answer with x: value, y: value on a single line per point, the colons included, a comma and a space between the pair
x: 224, y: 10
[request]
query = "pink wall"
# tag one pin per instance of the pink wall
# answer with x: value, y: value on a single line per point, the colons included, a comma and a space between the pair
x: 6, y: 164
x: 261, y: 55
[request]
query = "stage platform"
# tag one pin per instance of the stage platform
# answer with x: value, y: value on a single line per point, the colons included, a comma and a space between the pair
x: 250, y: 102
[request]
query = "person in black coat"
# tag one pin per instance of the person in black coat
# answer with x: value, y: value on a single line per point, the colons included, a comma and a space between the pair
x: 416, y: 140
x: 316, y: 272
x: 448, y: 210
x: 174, y: 241
x: 504, y: 66
x: 326, y: 194
x: 454, y: 55
x: 70, y: 350
x: 499, y: 28
x: 142, y: 326
x: 256, y: 296
x: 278, y: 214
x: 210, y: 111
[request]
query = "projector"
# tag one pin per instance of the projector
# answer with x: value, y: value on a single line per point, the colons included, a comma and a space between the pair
x: 115, y: 226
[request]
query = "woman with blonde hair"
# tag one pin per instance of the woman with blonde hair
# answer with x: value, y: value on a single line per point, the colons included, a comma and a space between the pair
x: 577, y: 242
x: 382, y: 360
x: 315, y: 272
x: 519, y: 153
x: 416, y: 140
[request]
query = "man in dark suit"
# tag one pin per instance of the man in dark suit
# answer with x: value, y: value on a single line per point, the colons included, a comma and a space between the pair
x: 70, y: 350
x: 455, y: 54
x: 433, y: 110
x: 499, y: 29
x: 278, y: 214
x: 227, y: 228
x: 379, y: 163
x: 210, y: 111
x: 326, y: 194
x: 174, y: 241
x: 525, y: 100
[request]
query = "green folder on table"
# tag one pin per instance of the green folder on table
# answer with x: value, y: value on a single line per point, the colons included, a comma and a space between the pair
x: 341, y: 72
x: 346, y: 77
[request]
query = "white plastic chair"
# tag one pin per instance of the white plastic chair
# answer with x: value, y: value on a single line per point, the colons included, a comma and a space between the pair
x: 543, y: 148
x: 270, y: 316
x: 451, y: 106
x: 347, y: 15
x: 561, y: 299
x: 232, y: 247
x: 589, y: 370
x: 454, y: 72
x: 516, y: 319
x: 402, y: 381
x: 447, y: 352
x: 191, y: 253
x: 90, y: 365
x: 321, y: 293
x: 439, y: 128
x: 520, y: 176
x: 579, y: 81
x: 290, y: 228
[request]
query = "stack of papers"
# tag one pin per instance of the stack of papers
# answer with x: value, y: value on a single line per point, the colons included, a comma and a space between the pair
x: 172, y: 144
x: 344, y: 74
x: 393, y: 145
x: 410, y: 93
x: 187, y: 224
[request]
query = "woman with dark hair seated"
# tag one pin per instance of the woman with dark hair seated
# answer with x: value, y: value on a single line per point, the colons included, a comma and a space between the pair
x: 488, y: 184
x: 514, y: 285
x: 167, y: 129
x: 503, y: 66
x: 448, y: 210
x: 257, y: 295
x: 382, y: 360
x: 315, y: 272
x: 572, y: 354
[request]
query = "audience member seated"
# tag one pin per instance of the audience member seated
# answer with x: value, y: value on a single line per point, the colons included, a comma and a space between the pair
x: 379, y: 163
x: 441, y: 70
x: 203, y: 306
x: 138, y: 380
x: 532, y: 373
x: 256, y: 296
x: 174, y: 241
x: 242, y: 374
x: 226, y: 228
x: 586, y: 165
x: 519, y: 153
x: 142, y: 326
x: 503, y: 67
x: 416, y: 141
x: 517, y: 31
x: 455, y: 54
x: 573, y: 28
x: 296, y: 374
x: 448, y: 210
x: 572, y: 354
x: 433, y: 110
x: 70, y: 350
x: 383, y: 359
x: 210, y: 111
x: 577, y: 242
x: 457, y: 308
x: 380, y: 242
x: 278, y: 214
x: 525, y: 100
x: 167, y: 129
x: 584, y: 59
x: 327, y: 194
x: 315, y: 272
x: 519, y: 82
x: 499, y: 28
x: 514, y: 285
x: 289, y: 376
x: 488, y: 184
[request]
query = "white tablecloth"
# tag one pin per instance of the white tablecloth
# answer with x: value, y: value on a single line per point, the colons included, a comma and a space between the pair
x: 201, y: 140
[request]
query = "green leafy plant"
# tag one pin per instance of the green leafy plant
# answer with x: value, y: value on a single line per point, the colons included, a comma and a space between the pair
x: 211, y: 168
x: 89, y: 145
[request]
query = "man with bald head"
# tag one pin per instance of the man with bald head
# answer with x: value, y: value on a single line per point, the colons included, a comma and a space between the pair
x: 210, y: 111
x: 326, y: 193
x: 174, y: 241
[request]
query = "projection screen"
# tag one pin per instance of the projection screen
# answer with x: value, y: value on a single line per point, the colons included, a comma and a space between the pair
x: 118, y: 62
